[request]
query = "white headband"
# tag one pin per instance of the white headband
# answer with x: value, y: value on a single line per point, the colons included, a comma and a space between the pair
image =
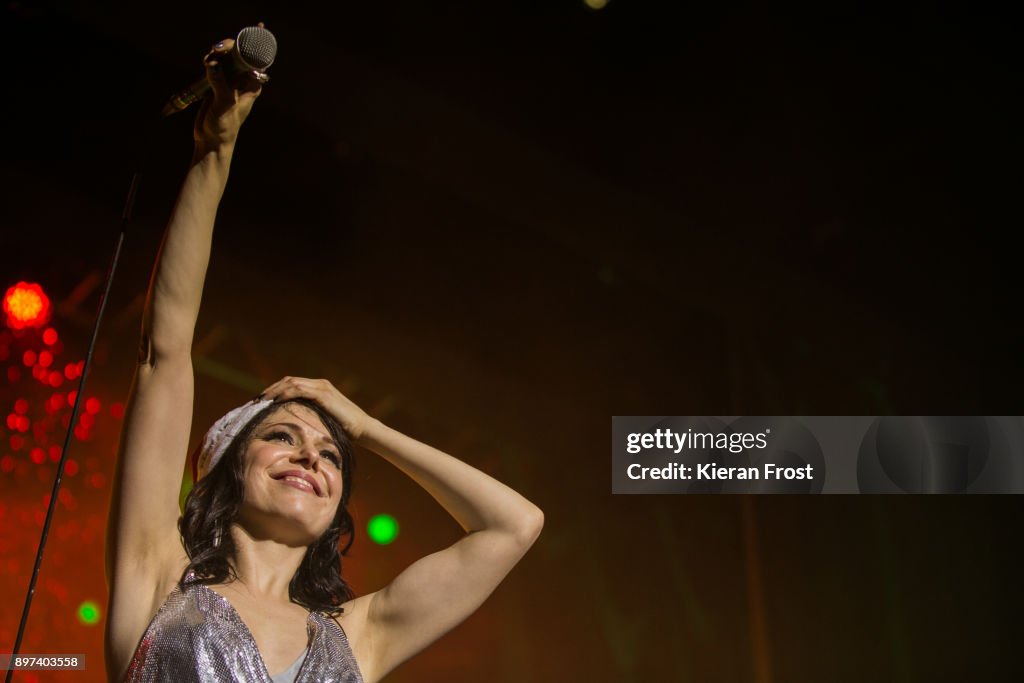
x: 223, y: 432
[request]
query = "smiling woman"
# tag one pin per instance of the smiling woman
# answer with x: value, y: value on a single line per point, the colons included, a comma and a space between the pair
x: 248, y: 580
x: 249, y: 482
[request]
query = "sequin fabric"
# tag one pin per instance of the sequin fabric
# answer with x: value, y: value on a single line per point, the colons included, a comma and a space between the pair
x: 197, y: 636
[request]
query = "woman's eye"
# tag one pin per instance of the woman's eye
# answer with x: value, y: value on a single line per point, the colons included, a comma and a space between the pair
x: 280, y: 435
x: 330, y: 455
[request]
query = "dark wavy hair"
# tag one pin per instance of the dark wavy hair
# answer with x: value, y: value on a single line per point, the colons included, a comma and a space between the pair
x: 212, y: 507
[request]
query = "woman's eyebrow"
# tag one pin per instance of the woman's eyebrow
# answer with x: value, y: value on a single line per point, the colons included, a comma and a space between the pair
x: 298, y: 429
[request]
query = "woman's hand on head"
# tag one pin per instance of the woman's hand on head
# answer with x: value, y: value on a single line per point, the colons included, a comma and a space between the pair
x: 351, y: 417
x: 230, y: 100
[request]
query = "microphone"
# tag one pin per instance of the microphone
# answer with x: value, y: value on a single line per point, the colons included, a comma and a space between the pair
x: 255, y: 49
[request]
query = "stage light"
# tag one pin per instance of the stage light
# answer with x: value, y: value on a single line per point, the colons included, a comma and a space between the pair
x: 89, y: 613
x: 71, y: 467
x: 382, y: 529
x: 50, y: 336
x: 38, y: 456
x: 29, y: 358
x: 21, y: 406
x: 45, y: 359
x: 92, y: 405
x: 26, y: 305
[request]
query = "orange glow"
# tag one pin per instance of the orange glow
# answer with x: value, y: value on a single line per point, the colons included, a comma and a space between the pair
x: 26, y: 305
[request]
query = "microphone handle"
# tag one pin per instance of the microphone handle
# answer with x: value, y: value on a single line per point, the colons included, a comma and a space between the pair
x: 187, y: 97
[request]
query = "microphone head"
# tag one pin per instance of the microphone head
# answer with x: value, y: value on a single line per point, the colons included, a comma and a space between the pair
x: 256, y: 47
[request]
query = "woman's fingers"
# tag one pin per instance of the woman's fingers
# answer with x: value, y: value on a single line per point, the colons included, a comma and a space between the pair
x: 351, y: 417
x: 288, y: 387
x: 214, y: 63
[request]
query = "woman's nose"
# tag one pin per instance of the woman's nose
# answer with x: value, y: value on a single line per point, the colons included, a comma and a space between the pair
x: 309, y: 455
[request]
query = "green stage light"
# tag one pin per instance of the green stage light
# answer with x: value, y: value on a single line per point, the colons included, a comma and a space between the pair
x: 89, y: 613
x: 382, y: 529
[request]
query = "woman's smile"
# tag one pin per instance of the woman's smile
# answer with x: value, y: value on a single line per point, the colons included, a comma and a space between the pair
x: 299, y: 484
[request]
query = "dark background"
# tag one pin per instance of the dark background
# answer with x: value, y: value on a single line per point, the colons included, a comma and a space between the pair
x: 496, y: 226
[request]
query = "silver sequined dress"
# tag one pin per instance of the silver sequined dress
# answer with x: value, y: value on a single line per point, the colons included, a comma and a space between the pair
x: 197, y: 636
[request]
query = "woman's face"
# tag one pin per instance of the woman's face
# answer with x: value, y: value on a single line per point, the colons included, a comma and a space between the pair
x: 292, y: 477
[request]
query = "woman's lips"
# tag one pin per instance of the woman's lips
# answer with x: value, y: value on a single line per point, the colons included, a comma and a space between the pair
x: 299, y: 484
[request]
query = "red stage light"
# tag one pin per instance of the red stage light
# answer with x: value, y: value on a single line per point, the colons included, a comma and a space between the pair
x: 55, y: 453
x: 69, y: 370
x: 26, y: 305
x: 38, y: 456
x: 23, y: 424
x: 29, y: 358
x: 45, y: 358
x: 56, y: 379
x: 87, y: 420
x: 12, y: 422
x: 21, y: 406
x: 71, y: 467
x: 50, y: 336
x: 92, y: 405
x: 71, y: 397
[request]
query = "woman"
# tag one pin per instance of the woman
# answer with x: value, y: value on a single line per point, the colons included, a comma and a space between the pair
x: 247, y: 584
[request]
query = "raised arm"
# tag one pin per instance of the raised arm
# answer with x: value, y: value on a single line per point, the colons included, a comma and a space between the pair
x: 142, y: 543
x: 435, y: 593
